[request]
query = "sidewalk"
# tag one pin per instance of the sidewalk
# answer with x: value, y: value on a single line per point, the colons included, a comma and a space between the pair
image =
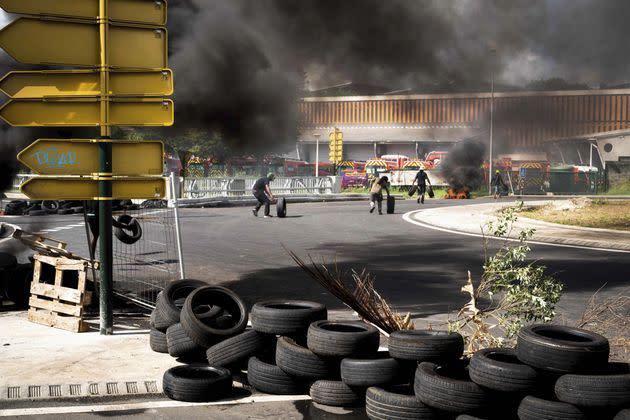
x: 469, y: 219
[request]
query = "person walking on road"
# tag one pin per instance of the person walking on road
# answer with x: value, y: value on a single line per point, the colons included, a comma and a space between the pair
x: 376, y: 193
x: 263, y: 194
x: 422, y: 179
x: 498, y: 183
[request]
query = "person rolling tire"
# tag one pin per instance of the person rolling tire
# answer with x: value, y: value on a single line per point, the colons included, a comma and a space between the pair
x: 197, y: 383
x: 281, y: 207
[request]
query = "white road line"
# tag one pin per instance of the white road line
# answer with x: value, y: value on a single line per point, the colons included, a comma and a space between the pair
x: 145, y: 405
x: 408, y: 218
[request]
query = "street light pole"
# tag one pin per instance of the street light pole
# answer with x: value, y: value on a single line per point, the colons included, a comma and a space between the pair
x: 492, y: 51
x: 317, y: 155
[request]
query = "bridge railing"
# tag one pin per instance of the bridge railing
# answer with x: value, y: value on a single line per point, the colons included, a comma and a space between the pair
x: 242, y: 187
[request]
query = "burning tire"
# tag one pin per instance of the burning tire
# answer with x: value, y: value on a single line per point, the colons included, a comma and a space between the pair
x: 207, y: 331
x: 197, y: 383
x: 336, y: 394
x: 271, y: 379
x: 235, y: 349
x: 380, y: 370
x: 301, y: 362
x: 343, y: 339
x: 562, y: 349
x: 426, y: 346
x: 532, y: 408
x: 396, y: 403
x: 286, y: 317
x: 499, y: 369
x: 449, y: 389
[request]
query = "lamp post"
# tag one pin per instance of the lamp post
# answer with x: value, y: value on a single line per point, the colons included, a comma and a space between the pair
x: 492, y: 51
x: 317, y: 155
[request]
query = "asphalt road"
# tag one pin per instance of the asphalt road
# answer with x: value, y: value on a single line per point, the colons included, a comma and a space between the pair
x: 417, y: 269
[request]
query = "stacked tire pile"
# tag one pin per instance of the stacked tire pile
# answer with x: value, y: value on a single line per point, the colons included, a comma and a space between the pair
x: 554, y: 373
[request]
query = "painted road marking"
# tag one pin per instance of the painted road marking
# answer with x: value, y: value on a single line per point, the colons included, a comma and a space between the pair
x: 145, y: 405
x: 408, y: 217
x: 58, y: 229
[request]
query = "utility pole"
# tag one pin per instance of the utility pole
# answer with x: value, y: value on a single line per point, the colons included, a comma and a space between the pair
x: 492, y: 51
x: 317, y: 155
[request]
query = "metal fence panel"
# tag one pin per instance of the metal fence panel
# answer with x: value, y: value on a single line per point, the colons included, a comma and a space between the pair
x: 242, y: 187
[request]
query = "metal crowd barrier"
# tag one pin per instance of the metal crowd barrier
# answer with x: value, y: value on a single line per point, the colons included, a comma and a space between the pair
x: 242, y: 187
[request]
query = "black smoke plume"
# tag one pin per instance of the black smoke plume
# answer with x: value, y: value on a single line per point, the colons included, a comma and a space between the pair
x: 462, y: 167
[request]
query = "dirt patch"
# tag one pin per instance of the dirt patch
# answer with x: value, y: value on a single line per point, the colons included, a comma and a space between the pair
x: 606, y: 214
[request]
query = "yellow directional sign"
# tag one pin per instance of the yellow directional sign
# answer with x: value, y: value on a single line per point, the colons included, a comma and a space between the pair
x: 76, y: 188
x: 86, y: 112
x: 132, y: 11
x: 74, y: 83
x: 80, y: 157
x: 35, y: 41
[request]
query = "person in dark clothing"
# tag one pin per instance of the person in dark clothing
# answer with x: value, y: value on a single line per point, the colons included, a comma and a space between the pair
x: 376, y: 193
x: 263, y: 194
x: 498, y: 183
x: 422, y: 179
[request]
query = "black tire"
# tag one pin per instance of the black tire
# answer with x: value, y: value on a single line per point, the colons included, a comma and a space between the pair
x: 426, y: 346
x: 281, y: 207
x: 396, y: 403
x: 206, y: 332
x: 178, y: 343
x: 50, y: 206
x: 562, y: 349
x: 157, y: 341
x: 391, y: 204
x: 77, y: 209
x: 336, y: 394
x: 286, y: 317
x: 197, y: 383
x: 532, y: 408
x: 236, y: 349
x: 269, y: 378
x: 37, y: 212
x: 380, y: 370
x: 343, y: 339
x: 499, y: 369
x: 171, y: 300
x: 130, y: 232
x: 594, y: 390
x: 301, y: 362
x: 449, y: 389
x: 18, y: 286
x: 64, y: 211
x: 412, y: 190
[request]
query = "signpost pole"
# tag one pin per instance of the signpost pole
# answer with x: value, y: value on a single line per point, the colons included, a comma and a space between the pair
x: 105, y: 183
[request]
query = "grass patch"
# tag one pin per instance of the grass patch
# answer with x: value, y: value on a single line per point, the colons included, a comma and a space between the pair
x: 620, y: 189
x: 606, y: 214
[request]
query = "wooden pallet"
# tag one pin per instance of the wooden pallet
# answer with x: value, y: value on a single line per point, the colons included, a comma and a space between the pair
x: 59, y: 305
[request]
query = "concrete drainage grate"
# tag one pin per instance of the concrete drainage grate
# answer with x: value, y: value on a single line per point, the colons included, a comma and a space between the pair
x: 93, y: 389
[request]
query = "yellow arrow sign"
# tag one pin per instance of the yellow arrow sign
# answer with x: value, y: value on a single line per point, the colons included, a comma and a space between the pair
x: 132, y: 11
x: 80, y: 157
x: 76, y: 188
x: 86, y: 113
x: 73, y: 83
x: 34, y: 41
